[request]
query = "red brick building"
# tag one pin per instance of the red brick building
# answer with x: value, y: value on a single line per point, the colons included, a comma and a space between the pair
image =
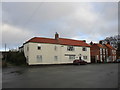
x: 111, y: 52
x: 102, y: 52
x: 99, y: 53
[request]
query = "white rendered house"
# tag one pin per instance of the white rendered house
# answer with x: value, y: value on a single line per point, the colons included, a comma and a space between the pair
x: 39, y: 50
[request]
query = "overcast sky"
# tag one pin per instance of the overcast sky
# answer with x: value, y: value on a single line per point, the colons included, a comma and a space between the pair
x: 90, y: 21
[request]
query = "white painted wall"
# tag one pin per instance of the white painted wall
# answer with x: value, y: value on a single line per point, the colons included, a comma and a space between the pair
x: 48, y: 52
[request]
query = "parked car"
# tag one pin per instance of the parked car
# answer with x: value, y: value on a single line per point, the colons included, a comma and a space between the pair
x: 79, y: 62
x: 117, y: 61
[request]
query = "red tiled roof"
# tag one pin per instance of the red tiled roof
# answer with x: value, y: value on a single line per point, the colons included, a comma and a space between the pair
x: 100, y: 45
x: 109, y: 46
x: 61, y: 41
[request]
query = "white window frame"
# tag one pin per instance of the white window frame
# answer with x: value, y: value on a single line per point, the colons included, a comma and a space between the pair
x: 39, y: 58
x: 85, y: 57
x: 101, y: 57
x: 71, y: 57
x: 70, y: 48
x: 100, y: 50
x: 84, y: 48
x: 114, y: 51
x: 103, y: 51
x: 97, y: 57
x: 55, y: 58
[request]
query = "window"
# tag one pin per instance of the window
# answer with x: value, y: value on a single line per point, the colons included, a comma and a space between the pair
x: 84, y: 57
x: 104, y: 56
x: 104, y: 51
x: 115, y: 57
x: 70, y: 48
x: 97, y: 57
x: 55, y: 48
x: 71, y: 57
x: 114, y: 52
x: 39, y: 58
x: 39, y: 47
x: 84, y: 49
x: 101, y: 57
x: 27, y: 48
x: 55, y: 58
x: 100, y: 50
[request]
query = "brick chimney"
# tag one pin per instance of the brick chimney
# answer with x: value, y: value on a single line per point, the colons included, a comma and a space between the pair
x: 56, y: 36
x: 100, y: 42
x: 84, y: 40
x: 91, y: 43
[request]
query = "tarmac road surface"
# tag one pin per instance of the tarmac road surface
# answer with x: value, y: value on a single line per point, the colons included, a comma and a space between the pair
x: 62, y: 76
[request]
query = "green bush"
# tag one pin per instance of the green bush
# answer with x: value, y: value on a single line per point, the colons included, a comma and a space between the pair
x: 16, y: 58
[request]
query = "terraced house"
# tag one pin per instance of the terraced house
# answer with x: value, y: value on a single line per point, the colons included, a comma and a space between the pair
x: 111, y: 52
x: 102, y: 52
x: 39, y: 50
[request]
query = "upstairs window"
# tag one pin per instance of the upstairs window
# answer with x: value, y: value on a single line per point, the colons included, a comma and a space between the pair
x: 114, y: 51
x: 70, y: 48
x: 100, y: 50
x: 84, y: 49
x: 39, y: 47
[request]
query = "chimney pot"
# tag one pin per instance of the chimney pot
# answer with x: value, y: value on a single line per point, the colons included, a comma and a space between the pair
x: 100, y: 42
x: 84, y: 40
x: 56, y: 36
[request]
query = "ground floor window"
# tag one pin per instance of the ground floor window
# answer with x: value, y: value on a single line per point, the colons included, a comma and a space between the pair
x: 97, y: 57
x: 56, y: 58
x: 84, y: 57
x: 39, y: 58
x: 101, y: 57
x: 115, y: 57
x: 71, y: 57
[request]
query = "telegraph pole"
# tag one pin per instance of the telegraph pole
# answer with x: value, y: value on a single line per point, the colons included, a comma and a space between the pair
x: 5, y: 47
x: 5, y: 52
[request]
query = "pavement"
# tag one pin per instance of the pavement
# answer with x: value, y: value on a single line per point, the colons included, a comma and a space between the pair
x: 62, y: 76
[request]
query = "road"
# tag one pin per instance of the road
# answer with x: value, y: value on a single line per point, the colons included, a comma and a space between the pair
x: 62, y: 76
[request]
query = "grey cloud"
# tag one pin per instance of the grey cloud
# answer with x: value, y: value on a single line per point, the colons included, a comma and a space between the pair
x: 91, y: 21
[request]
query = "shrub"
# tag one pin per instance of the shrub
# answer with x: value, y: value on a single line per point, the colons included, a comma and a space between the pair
x: 16, y: 58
